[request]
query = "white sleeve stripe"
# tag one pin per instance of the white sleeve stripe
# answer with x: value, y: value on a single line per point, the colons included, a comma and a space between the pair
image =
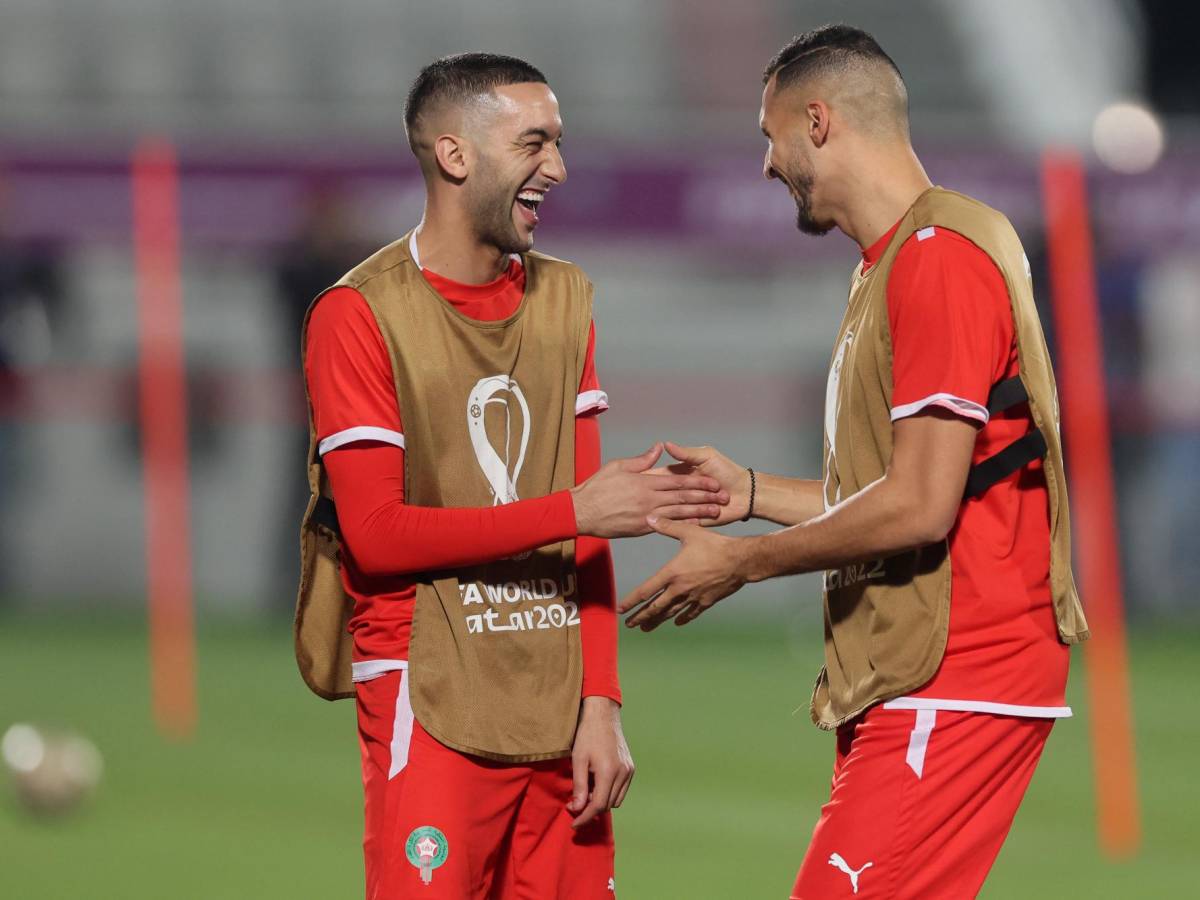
x: 981, y: 706
x: 360, y: 433
x: 589, y: 400
x: 370, y: 669
x: 967, y: 408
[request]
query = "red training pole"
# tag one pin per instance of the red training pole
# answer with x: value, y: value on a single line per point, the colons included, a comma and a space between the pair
x: 164, y: 434
x: 1094, y: 514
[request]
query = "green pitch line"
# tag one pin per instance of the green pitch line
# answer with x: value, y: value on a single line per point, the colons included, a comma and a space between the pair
x: 265, y: 802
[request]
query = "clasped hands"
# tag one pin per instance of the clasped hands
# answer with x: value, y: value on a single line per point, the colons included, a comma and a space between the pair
x: 701, y: 489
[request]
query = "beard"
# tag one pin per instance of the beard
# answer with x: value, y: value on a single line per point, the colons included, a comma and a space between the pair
x: 802, y: 188
x: 491, y: 206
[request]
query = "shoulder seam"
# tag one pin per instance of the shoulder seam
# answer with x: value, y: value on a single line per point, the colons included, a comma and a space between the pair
x: 957, y: 237
x: 377, y: 273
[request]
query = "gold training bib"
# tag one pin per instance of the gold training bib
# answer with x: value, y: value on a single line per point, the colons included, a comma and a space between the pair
x: 489, y: 417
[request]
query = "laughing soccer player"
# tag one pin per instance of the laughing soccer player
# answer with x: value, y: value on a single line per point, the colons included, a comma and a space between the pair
x: 941, y: 522
x: 456, y: 574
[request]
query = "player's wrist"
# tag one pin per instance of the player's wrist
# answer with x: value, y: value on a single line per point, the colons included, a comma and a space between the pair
x: 580, y: 509
x: 750, y: 559
x: 602, y: 692
x: 749, y: 489
x: 776, y: 499
x: 599, y: 708
x: 599, y: 701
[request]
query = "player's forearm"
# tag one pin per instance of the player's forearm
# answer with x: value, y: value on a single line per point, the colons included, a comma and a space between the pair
x: 786, y: 501
x: 410, y: 539
x: 886, y: 518
x: 597, y: 618
x: 385, y: 536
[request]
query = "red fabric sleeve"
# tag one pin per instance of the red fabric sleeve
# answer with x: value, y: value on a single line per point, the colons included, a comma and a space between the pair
x: 591, y: 398
x: 386, y: 536
x: 597, y: 585
x: 348, y: 370
x: 590, y: 381
x: 951, y: 326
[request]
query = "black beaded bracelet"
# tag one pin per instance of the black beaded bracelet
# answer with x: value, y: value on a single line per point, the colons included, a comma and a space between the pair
x: 750, y: 509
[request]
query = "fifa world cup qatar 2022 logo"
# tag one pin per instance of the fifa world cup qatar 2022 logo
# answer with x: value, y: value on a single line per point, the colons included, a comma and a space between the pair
x: 501, y: 467
x: 832, y: 492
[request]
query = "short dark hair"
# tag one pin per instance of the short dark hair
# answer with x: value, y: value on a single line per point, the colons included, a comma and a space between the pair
x: 462, y: 76
x: 822, y: 50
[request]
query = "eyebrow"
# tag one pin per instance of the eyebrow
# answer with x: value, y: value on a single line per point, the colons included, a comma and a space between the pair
x: 538, y: 132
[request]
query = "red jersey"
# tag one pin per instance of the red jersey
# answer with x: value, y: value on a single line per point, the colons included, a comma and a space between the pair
x: 952, y: 340
x: 360, y: 436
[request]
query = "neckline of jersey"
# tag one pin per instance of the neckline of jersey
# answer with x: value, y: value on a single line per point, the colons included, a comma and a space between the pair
x: 493, y: 325
x: 872, y: 254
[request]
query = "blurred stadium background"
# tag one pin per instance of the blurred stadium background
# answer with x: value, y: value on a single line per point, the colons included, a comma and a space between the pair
x: 715, y: 320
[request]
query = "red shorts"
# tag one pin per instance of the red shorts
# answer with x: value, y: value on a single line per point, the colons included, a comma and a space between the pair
x: 443, y: 825
x: 921, y: 803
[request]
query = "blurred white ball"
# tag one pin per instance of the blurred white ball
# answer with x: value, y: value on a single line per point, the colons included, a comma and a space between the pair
x: 53, y: 771
x: 1128, y: 137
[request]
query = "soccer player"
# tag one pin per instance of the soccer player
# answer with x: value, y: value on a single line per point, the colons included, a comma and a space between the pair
x: 941, y: 522
x: 456, y: 575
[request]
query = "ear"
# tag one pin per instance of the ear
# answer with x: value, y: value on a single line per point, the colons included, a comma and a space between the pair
x: 451, y: 153
x: 818, y: 122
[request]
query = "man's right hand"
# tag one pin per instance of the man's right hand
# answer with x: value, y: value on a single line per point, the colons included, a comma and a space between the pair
x: 732, y: 478
x: 616, y: 501
x: 784, y: 501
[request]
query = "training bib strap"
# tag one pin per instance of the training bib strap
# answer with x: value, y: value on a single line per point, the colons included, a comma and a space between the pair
x: 1016, y: 455
x: 1006, y: 394
x: 325, y: 515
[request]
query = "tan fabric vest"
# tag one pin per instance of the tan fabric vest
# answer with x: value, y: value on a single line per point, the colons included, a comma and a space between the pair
x: 886, y: 621
x: 495, y: 667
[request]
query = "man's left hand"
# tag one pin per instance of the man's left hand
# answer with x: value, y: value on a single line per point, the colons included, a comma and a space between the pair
x: 706, y: 569
x: 600, y: 761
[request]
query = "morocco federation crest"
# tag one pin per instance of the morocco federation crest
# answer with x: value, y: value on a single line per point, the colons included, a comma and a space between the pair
x: 426, y: 848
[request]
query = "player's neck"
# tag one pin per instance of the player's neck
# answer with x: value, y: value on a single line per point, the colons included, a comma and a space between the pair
x: 447, y: 246
x: 884, y: 189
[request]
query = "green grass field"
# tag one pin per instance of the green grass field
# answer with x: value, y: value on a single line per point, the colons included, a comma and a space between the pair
x: 264, y: 803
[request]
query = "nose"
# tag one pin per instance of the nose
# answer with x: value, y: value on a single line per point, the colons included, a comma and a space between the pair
x: 554, y: 169
x: 768, y: 169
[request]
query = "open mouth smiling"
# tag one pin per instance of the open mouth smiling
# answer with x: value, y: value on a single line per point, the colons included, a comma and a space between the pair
x: 531, y: 199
